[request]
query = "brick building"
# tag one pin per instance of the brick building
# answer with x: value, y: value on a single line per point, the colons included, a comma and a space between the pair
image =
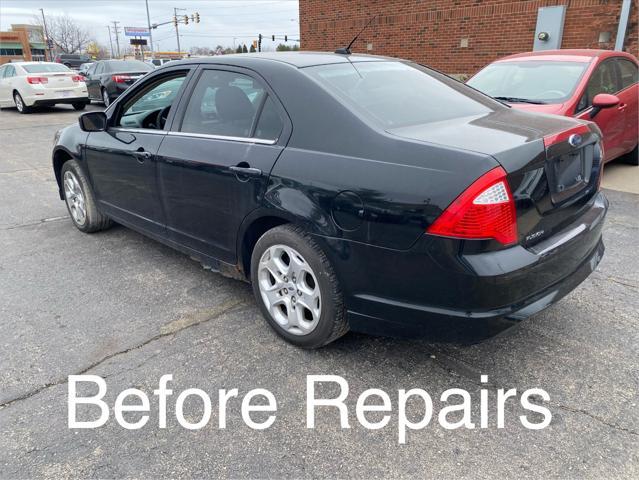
x: 22, y: 42
x: 457, y: 36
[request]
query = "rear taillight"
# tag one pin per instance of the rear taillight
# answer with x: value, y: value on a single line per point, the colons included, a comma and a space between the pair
x: 120, y: 78
x: 77, y: 78
x: 37, y: 80
x: 484, y: 210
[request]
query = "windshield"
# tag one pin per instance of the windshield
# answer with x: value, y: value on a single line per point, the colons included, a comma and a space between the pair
x: 45, y: 68
x: 395, y: 94
x: 542, y: 81
x: 128, y: 66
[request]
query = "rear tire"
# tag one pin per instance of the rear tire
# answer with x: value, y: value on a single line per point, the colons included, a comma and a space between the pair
x: 105, y: 98
x: 631, y: 158
x: 301, y: 299
x: 80, y: 200
x: 20, y: 105
x: 79, y: 106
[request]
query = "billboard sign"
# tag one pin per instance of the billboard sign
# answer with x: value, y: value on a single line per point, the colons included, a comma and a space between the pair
x: 136, y: 31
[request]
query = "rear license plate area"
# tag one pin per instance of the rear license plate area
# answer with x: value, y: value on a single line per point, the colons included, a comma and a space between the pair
x: 569, y: 173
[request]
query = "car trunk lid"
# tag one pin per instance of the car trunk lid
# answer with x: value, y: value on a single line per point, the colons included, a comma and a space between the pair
x: 552, y: 163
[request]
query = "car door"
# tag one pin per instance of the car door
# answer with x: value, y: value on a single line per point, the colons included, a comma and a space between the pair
x: 629, y: 100
x: 5, y: 98
x: 122, y: 160
x: 214, y: 164
x: 611, y: 121
x: 9, y: 83
x: 93, y: 80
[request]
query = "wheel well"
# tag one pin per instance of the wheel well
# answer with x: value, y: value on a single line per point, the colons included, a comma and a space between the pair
x: 258, y: 228
x: 59, y: 158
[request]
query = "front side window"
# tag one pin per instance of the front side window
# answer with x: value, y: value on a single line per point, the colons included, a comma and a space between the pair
x: 225, y: 104
x: 151, y: 106
x: 394, y: 94
x: 540, y: 81
x: 628, y: 72
x: 602, y: 80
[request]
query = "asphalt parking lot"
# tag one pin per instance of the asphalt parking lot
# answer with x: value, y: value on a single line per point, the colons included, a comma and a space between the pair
x: 118, y: 305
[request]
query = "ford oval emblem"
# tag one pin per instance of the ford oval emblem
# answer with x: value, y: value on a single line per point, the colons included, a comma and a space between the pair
x: 575, y: 140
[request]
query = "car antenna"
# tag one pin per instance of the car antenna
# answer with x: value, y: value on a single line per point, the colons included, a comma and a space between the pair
x: 347, y: 50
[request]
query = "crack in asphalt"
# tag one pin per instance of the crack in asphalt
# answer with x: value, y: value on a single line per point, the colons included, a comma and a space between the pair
x: 34, y: 222
x: 469, y: 373
x: 227, y: 307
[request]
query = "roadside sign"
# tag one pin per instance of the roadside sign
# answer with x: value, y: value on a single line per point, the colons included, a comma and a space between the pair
x: 138, y: 41
x: 136, y: 31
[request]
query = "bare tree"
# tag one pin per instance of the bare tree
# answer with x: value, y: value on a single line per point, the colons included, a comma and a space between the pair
x: 66, y: 33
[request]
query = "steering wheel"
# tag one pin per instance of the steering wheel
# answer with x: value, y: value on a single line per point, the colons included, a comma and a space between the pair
x: 552, y: 94
x: 161, y: 117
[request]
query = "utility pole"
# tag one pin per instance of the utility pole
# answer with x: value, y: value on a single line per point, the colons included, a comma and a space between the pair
x: 110, y: 41
x: 116, y: 32
x: 176, y: 22
x: 48, y: 41
x: 148, y: 22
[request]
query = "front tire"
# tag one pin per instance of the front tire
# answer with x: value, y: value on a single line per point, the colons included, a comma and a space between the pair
x: 631, y: 158
x: 105, y: 98
x: 20, y: 105
x: 296, y: 288
x: 80, y: 200
x: 79, y: 106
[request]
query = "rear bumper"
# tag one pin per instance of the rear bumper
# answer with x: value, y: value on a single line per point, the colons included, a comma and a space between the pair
x: 58, y: 101
x: 434, y: 289
x: 39, y: 96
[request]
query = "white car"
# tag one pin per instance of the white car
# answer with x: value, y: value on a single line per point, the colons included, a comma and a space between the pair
x: 30, y: 84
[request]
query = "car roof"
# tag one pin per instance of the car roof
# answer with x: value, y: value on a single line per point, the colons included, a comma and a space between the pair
x: 575, y: 55
x: 296, y: 59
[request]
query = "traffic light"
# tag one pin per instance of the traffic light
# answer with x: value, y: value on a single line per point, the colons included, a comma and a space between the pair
x: 285, y: 38
x: 175, y: 21
x: 273, y: 38
x: 259, y: 43
x: 186, y: 19
x: 197, y: 17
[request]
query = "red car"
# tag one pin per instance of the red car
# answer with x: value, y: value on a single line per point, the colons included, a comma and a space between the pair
x: 597, y: 85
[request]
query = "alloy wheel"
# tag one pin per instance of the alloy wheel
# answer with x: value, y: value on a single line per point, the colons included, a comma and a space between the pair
x: 75, y: 198
x: 289, y: 289
x: 18, y: 101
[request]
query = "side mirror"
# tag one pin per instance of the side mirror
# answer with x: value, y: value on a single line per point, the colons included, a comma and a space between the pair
x: 93, y: 122
x: 601, y: 101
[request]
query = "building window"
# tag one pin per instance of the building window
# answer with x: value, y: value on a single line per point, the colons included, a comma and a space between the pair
x: 37, y: 51
x: 11, y: 51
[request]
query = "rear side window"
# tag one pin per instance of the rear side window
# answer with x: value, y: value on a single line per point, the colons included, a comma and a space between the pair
x: 270, y: 125
x: 394, y: 94
x: 223, y: 103
x: 628, y: 72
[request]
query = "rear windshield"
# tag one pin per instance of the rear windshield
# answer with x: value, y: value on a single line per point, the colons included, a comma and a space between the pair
x: 396, y: 94
x: 128, y: 66
x: 537, y: 80
x: 45, y: 68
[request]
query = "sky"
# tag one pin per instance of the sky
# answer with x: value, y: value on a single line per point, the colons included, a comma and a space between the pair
x: 222, y: 22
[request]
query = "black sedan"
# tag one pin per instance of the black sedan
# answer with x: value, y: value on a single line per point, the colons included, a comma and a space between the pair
x: 353, y: 192
x: 107, y: 79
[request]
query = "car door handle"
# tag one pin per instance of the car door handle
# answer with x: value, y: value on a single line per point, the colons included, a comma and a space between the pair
x: 142, y: 156
x: 248, y: 171
x: 622, y: 106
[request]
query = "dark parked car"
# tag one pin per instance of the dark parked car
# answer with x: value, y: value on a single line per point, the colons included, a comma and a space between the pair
x: 107, y: 79
x: 354, y: 192
x: 73, y: 60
